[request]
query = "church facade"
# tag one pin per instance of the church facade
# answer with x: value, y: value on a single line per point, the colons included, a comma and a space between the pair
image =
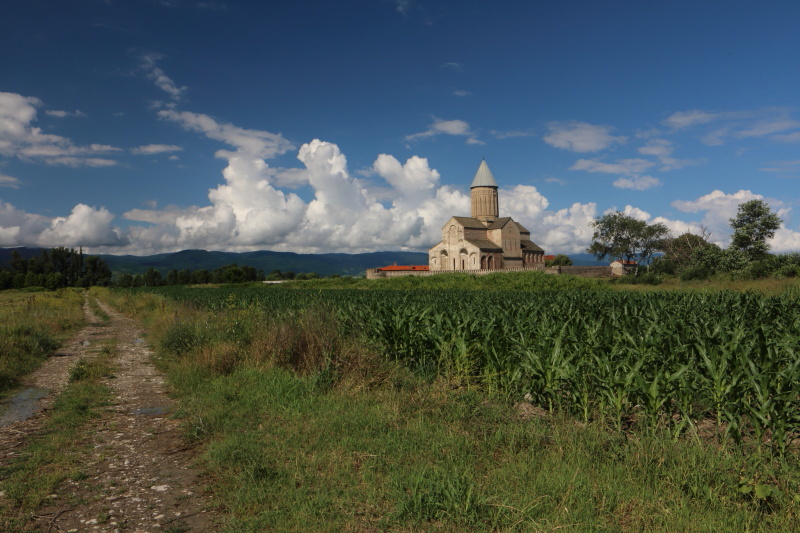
x: 484, y: 240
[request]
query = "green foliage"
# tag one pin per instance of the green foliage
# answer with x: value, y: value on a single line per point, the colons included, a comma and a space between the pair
x: 559, y: 260
x: 683, y: 356
x: 55, y: 269
x: 753, y: 225
x: 31, y: 327
x: 621, y: 236
x: 435, y: 495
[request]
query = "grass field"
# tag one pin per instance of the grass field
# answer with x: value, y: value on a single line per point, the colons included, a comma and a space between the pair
x: 349, y: 410
x: 32, y: 325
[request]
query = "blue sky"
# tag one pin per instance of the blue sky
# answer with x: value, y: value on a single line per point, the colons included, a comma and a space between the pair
x: 144, y: 126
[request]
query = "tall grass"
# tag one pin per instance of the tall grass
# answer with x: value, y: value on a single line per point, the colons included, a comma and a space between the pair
x: 307, y: 427
x: 31, y: 327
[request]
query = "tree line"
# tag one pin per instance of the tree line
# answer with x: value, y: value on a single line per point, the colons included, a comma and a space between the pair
x: 54, y: 269
x: 694, y: 257
x: 232, y: 273
x: 61, y: 267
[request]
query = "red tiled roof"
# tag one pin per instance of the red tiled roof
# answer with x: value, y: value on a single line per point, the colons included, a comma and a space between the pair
x: 549, y: 257
x: 405, y: 267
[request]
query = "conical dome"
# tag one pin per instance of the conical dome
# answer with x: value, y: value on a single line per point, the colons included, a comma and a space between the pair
x: 483, y: 178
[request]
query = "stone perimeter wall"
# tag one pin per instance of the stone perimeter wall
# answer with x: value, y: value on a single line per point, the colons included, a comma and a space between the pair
x: 582, y: 271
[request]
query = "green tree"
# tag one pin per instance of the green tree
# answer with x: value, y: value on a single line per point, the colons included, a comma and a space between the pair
x: 152, y: 278
x: 752, y: 226
x: 678, y: 252
x: 621, y: 236
x: 559, y: 260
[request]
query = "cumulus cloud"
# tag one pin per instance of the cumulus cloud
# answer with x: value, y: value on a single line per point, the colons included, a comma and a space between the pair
x: 581, y: 137
x: 447, y: 127
x: 84, y: 226
x: 19, y: 138
x: 637, y: 183
x: 718, y: 208
x: 151, y: 149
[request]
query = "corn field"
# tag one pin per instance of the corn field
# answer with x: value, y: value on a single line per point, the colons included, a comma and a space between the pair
x: 656, y: 360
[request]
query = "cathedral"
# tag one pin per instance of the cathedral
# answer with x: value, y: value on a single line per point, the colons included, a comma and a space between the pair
x: 485, y: 240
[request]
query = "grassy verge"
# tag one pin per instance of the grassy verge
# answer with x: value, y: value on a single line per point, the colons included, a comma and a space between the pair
x: 31, y: 327
x: 304, y: 429
x: 54, y: 455
x: 98, y: 311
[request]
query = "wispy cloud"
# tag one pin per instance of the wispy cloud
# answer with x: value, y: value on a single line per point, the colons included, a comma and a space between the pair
x: 20, y: 138
x: 662, y: 149
x: 452, y: 65
x: 581, y: 136
x: 62, y: 114
x: 637, y: 183
x: 624, y: 167
x: 512, y: 134
x: 447, y: 127
x: 8, y: 181
x: 151, y: 149
x: 162, y: 81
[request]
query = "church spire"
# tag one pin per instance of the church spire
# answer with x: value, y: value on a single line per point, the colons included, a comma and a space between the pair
x: 483, y: 178
x: 484, y: 195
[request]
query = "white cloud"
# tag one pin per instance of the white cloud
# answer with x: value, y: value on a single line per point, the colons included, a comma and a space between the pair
x: 662, y: 149
x: 719, y: 207
x: 151, y: 149
x: 18, y: 138
x: 161, y: 80
x: 19, y: 228
x: 625, y: 167
x: 788, y: 138
x: 256, y: 143
x: 447, y: 127
x: 512, y: 134
x: 62, y: 114
x: 459, y: 92
x: 76, y: 162
x: 657, y: 147
x: 8, y: 181
x: 694, y: 117
x: 769, y: 127
x: 581, y: 137
x: 637, y: 183
x: 452, y: 65
x: 85, y: 226
x: 716, y: 137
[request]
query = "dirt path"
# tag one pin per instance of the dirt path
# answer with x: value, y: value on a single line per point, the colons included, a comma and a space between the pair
x: 139, y: 474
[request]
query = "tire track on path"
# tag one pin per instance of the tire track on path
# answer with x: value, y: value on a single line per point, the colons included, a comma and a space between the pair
x: 138, y: 475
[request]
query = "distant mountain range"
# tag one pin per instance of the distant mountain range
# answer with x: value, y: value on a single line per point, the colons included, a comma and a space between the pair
x: 322, y: 264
